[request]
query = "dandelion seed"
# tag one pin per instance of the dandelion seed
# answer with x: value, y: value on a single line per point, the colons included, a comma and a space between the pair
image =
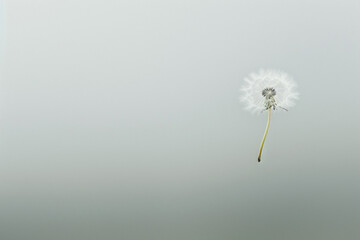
x: 266, y: 90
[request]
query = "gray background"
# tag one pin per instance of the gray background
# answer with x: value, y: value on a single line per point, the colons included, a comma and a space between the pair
x: 121, y: 120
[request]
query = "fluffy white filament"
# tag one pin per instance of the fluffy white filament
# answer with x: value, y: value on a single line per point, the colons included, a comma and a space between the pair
x: 283, y: 84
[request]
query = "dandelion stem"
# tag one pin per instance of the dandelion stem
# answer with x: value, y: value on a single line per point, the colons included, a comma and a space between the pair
x: 266, y: 131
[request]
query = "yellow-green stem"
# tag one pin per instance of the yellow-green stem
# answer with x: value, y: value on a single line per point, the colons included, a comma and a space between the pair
x: 263, y: 140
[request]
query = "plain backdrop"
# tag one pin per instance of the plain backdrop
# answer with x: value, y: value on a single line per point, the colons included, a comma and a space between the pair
x: 122, y: 120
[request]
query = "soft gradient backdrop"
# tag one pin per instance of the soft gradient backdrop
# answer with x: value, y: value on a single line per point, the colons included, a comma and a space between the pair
x: 121, y: 120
